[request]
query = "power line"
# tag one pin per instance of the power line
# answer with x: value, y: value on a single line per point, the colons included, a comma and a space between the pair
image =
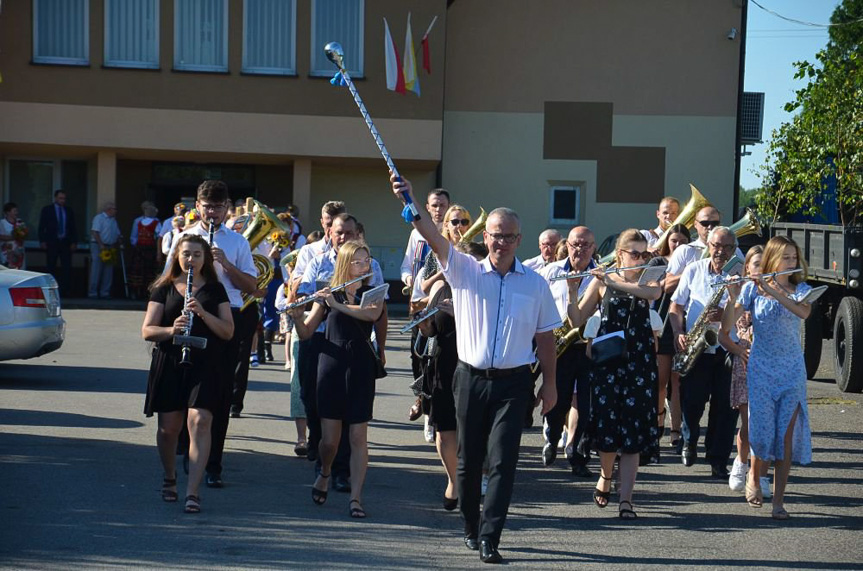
x: 803, y: 22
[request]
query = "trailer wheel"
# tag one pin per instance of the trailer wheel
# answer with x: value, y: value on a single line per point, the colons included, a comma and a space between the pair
x: 848, y: 345
x: 811, y: 335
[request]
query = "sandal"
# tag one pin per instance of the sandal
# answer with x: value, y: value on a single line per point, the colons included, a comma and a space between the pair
x: 301, y: 449
x: 416, y: 410
x: 624, y: 513
x: 193, y: 505
x: 754, y: 496
x: 356, y: 512
x: 601, y: 498
x: 449, y: 504
x: 779, y: 513
x: 674, y: 441
x: 169, y: 495
x: 320, y: 496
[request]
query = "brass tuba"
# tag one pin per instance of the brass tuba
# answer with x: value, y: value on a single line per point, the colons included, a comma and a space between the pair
x: 475, y: 228
x: 261, y: 224
x: 745, y: 226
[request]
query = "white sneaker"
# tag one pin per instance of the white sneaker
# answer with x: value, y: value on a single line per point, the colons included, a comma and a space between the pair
x: 562, y: 442
x: 428, y: 431
x: 484, y: 483
x: 253, y: 361
x: 765, y: 488
x: 737, y: 478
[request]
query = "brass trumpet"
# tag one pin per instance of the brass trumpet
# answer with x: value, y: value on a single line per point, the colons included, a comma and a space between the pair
x: 260, y: 226
x: 747, y: 225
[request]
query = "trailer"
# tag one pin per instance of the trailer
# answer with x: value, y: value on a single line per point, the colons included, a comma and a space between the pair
x: 835, y: 258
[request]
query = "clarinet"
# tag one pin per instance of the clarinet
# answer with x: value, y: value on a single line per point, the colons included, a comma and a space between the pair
x: 211, y: 231
x: 186, y: 353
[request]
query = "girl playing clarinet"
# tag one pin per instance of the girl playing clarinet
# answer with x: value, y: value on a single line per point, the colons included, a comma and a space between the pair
x: 175, y: 391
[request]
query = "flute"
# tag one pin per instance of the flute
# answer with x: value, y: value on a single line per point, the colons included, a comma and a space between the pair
x: 579, y: 275
x: 741, y: 279
x: 310, y: 299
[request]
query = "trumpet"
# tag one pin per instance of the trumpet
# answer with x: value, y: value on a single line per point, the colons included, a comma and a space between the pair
x: 606, y: 271
x: 741, y: 279
x: 312, y: 298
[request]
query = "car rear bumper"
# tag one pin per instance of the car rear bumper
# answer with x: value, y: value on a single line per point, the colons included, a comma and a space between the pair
x: 32, y: 339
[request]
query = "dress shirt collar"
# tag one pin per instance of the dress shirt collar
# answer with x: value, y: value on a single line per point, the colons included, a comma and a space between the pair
x: 488, y: 268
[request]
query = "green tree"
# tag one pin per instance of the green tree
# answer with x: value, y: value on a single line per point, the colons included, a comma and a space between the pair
x: 824, y: 139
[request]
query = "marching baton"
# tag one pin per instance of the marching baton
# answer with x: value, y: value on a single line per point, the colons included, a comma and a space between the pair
x: 336, y: 55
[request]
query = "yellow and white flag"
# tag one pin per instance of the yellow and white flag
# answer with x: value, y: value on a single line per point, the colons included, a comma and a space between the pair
x: 412, y: 81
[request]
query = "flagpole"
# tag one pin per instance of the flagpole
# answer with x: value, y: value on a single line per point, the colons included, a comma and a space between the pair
x: 425, y: 36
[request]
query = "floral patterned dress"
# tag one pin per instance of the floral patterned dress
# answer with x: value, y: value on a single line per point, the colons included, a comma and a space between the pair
x: 776, y: 376
x: 739, y: 391
x: 623, y: 394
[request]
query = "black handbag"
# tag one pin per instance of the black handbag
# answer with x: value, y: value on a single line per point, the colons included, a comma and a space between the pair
x: 614, y: 349
x: 380, y: 370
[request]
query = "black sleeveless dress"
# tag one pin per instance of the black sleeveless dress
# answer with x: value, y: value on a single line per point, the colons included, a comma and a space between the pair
x: 623, y: 394
x: 171, y: 387
x: 346, y: 367
x: 441, y: 366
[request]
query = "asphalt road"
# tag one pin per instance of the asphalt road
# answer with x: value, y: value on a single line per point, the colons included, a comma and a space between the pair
x: 80, y: 480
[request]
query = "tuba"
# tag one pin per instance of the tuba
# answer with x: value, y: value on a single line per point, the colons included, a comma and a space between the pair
x: 261, y: 224
x: 475, y: 228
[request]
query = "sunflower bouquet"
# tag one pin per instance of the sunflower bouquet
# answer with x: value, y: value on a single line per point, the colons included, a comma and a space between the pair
x: 108, y: 256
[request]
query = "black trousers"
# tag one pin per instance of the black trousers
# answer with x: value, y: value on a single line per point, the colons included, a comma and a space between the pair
x: 709, y: 381
x: 248, y: 322
x: 573, y: 372
x: 307, y: 355
x: 62, y: 250
x: 490, y: 415
x: 236, y: 365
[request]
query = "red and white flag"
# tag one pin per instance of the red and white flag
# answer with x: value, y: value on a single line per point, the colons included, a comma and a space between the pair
x: 425, y: 46
x: 395, y: 77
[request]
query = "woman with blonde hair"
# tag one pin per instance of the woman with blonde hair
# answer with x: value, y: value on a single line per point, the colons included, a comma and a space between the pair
x: 623, y: 381
x: 456, y: 221
x: 776, y: 373
x: 346, y: 369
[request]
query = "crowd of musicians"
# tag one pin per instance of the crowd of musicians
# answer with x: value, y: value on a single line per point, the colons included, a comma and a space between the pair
x: 613, y: 353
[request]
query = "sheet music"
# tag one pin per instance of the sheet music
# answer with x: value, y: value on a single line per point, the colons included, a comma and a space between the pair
x: 813, y: 294
x: 652, y: 275
x: 374, y: 296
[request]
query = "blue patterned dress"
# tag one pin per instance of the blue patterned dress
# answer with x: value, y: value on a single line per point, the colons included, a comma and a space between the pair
x: 623, y: 395
x: 776, y: 376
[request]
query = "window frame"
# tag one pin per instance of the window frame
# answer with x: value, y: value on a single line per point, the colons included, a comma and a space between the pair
x: 125, y: 63
x: 578, y: 188
x: 199, y: 67
x: 58, y: 60
x: 254, y: 70
x: 359, y: 70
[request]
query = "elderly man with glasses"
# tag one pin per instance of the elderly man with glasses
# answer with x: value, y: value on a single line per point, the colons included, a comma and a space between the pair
x: 548, y: 241
x: 709, y: 379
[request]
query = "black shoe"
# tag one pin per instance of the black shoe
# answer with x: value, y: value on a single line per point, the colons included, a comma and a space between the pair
x: 549, y: 454
x: 342, y: 484
x: 678, y: 447
x: 214, y: 480
x: 488, y: 553
x: 449, y: 504
x: 720, y: 472
x: 689, y: 455
x: 235, y: 411
x: 582, y: 471
x: 471, y: 543
x: 312, y: 454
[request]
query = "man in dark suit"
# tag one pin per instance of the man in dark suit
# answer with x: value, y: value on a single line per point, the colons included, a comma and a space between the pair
x: 58, y: 236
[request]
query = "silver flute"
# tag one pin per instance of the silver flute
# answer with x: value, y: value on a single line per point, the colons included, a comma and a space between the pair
x: 310, y: 299
x: 741, y: 279
x: 606, y: 271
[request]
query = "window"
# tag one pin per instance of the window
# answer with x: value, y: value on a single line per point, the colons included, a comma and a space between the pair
x: 566, y: 204
x: 269, y: 31
x: 337, y: 21
x: 201, y: 35
x: 132, y: 33
x: 61, y: 30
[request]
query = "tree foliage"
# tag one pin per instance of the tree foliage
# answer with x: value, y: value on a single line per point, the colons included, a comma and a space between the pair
x: 824, y: 139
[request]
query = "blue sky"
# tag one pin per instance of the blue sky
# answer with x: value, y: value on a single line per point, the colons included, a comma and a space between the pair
x: 772, y: 46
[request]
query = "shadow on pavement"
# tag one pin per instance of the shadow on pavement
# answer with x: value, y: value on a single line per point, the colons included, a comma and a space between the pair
x: 18, y: 417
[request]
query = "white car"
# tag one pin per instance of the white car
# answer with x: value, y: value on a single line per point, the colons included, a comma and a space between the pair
x: 30, y: 320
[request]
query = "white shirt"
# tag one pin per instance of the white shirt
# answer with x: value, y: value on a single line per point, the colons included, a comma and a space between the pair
x: 652, y: 235
x: 559, y: 288
x: 685, y: 254
x: 307, y: 253
x: 694, y: 291
x: 536, y: 263
x: 107, y: 228
x: 167, y: 225
x: 236, y: 249
x: 497, y: 316
x: 408, y: 268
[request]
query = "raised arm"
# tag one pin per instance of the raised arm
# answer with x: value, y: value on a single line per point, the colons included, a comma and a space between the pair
x: 579, y: 310
x: 439, y: 245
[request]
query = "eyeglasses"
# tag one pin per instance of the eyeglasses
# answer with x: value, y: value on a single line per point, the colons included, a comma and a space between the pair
x: 505, y: 238
x: 213, y: 207
x: 645, y: 255
x: 462, y: 221
x: 708, y: 223
x: 360, y: 263
x: 723, y: 247
x: 579, y: 245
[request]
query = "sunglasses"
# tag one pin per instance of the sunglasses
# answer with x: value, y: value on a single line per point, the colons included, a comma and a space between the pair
x: 708, y: 223
x: 645, y: 255
x: 462, y: 221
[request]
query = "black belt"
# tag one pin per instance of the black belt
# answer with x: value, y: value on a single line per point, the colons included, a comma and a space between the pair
x: 495, y: 373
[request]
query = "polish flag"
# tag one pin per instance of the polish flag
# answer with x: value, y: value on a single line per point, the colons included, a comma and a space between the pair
x: 412, y: 81
x: 395, y: 79
x: 425, y: 46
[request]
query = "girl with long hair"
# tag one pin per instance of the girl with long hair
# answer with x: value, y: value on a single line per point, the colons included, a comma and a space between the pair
x: 176, y: 392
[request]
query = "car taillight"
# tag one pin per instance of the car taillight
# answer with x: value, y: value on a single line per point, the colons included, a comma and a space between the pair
x: 27, y: 297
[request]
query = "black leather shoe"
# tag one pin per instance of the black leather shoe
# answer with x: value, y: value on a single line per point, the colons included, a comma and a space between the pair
x: 312, y: 454
x: 581, y: 471
x: 689, y: 455
x: 214, y: 480
x: 342, y: 484
x: 488, y: 552
x: 235, y: 411
x: 549, y: 454
x: 720, y: 472
x: 471, y: 543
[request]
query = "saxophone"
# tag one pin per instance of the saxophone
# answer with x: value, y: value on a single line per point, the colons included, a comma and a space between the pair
x: 699, y: 338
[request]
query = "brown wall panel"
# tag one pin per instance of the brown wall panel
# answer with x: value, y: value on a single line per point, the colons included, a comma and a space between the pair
x: 631, y: 174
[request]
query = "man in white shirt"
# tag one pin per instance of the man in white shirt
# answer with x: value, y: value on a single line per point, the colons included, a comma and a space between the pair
x: 500, y: 307
x: 167, y: 227
x: 666, y: 214
x: 437, y: 203
x: 573, y: 366
x: 706, y: 220
x: 329, y: 211
x: 237, y: 272
x: 104, y: 235
x: 548, y: 241
x: 710, y: 379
